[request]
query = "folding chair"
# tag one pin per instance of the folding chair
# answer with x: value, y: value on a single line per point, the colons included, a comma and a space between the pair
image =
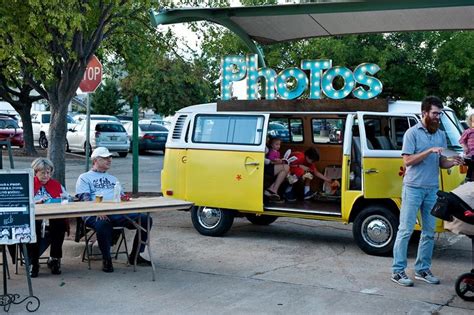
x: 89, y: 233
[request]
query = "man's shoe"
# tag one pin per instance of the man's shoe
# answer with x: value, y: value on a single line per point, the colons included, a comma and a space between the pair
x: 55, y: 265
x: 309, y: 195
x: 34, y: 270
x: 290, y: 196
x: 107, y: 265
x: 140, y: 261
x: 402, y: 279
x: 427, y: 276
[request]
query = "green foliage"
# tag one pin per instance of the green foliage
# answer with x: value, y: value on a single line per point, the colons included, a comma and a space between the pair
x: 455, y: 64
x: 167, y: 84
x: 106, y: 99
x: 50, y: 42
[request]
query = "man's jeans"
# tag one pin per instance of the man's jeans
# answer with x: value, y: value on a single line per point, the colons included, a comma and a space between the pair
x: 414, y: 198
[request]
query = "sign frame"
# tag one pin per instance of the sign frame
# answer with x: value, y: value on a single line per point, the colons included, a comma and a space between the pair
x: 16, y: 198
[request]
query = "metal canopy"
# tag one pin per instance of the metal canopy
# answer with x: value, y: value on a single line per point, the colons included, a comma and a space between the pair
x: 273, y: 24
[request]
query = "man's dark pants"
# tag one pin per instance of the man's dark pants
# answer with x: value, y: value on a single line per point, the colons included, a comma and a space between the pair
x: 104, y: 230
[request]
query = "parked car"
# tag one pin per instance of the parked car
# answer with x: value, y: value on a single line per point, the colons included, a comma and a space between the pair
x: 464, y: 124
x: 150, y: 136
x: 278, y: 130
x: 163, y: 123
x: 9, y: 130
x: 79, y: 118
x: 109, y: 134
x: 40, y: 124
x: 124, y: 119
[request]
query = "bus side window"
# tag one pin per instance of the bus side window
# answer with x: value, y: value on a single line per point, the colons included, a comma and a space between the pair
x: 386, y: 132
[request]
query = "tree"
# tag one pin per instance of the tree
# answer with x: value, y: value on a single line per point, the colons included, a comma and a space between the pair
x: 18, y: 93
x: 167, y: 84
x: 53, y: 41
x: 106, y: 100
x: 455, y: 63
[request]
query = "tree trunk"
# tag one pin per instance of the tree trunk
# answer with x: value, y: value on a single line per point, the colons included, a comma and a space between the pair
x: 57, y: 138
x: 25, y: 114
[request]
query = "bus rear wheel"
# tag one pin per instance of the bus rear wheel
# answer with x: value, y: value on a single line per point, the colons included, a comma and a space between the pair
x: 212, y: 221
x: 375, y: 229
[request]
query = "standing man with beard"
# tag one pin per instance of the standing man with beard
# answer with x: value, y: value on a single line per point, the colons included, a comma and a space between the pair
x: 422, y: 147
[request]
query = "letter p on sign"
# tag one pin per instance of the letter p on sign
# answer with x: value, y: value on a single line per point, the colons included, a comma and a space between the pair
x: 92, y: 76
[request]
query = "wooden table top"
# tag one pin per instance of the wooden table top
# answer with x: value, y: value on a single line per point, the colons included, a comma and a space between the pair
x: 90, y: 208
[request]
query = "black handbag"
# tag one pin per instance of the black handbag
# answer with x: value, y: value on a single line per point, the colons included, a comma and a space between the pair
x: 441, y: 207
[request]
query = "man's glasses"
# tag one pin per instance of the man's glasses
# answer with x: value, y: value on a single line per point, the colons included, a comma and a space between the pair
x: 436, y: 114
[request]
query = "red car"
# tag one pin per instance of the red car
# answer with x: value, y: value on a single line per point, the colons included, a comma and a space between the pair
x: 9, y: 130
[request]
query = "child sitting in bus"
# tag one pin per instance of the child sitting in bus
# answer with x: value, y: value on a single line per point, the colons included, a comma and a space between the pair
x: 274, y: 166
x: 305, y: 169
x: 274, y: 151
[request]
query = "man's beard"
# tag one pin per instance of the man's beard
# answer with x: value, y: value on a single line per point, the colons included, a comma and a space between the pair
x: 431, y: 124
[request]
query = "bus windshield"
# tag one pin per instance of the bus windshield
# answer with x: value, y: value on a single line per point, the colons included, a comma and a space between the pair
x: 451, y: 125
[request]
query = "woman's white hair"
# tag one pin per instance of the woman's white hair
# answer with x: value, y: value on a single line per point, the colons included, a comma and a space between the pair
x: 40, y: 164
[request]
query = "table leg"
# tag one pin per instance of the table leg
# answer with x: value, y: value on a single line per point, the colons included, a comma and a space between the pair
x: 147, y: 244
x: 139, y: 227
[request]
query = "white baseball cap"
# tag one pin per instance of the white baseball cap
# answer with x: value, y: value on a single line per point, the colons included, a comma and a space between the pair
x: 100, y: 152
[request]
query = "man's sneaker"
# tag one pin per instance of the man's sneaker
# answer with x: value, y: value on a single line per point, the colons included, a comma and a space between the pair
x: 309, y: 194
x: 427, y: 276
x: 290, y: 196
x: 402, y: 279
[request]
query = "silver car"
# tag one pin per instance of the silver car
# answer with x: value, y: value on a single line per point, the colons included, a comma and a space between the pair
x: 109, y: 134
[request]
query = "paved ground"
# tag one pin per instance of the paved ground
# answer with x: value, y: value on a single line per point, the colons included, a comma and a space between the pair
x: 293, y: 266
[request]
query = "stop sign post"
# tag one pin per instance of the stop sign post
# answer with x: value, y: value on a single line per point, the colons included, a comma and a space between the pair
x: 92, y: 76
x: 90, y: 82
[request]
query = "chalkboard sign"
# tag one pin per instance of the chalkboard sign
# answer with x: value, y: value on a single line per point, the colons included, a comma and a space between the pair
x: 17, y: 208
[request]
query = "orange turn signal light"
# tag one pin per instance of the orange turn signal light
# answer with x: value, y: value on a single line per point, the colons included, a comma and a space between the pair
x: 463, y: 169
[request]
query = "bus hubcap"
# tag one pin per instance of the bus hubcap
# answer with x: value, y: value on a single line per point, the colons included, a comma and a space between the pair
x: 209, y: 217
x: 377, y: 231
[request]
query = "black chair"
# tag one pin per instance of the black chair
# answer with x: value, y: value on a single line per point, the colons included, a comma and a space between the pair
x: 89, y: 233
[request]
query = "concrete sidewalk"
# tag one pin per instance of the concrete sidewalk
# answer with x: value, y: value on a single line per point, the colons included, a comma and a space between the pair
x: 291, y: 267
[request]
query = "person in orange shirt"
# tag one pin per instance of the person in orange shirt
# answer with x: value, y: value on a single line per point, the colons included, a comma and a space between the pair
x: 305, y: 169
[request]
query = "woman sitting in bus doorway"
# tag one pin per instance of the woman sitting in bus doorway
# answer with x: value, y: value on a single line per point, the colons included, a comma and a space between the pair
x: 303, y: 168
x: 275, y: 167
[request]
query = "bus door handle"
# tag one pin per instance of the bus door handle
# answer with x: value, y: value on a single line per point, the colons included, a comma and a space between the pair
x: 371, y: 171
x: 252, y: 164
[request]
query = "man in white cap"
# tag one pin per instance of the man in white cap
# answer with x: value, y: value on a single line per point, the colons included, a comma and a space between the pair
x: 98, y: 182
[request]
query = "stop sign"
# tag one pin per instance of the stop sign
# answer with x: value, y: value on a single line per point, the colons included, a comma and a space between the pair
x: 92, y: 76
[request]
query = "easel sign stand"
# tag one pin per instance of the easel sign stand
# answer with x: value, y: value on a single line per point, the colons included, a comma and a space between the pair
x: 17, y: 226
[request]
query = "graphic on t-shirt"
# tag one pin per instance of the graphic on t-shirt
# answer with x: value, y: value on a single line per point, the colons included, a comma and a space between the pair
x: 103, y: 183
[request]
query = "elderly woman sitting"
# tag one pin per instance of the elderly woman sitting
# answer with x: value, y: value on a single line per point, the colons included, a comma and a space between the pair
x: 47, y: 190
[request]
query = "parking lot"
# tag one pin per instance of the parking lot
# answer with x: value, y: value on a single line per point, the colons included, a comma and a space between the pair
x: 292, y: 266
x: 150, y: 165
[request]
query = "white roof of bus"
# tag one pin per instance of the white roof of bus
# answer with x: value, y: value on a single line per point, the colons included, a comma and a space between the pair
x: 412, y: 107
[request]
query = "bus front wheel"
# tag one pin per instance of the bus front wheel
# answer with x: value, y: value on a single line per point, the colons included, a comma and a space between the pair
x: 212, y: 221
x: 375, y: 229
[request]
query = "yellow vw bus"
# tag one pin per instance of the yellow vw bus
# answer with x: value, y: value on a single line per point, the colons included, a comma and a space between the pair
x: 215, y: 159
